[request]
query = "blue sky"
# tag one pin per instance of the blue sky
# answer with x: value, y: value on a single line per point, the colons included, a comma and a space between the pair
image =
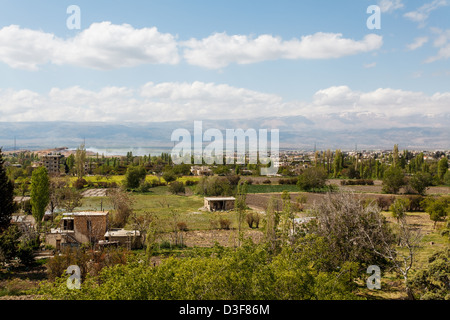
x: 309, y: 58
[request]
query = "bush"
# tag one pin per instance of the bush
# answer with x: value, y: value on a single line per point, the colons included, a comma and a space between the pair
x: 182, y: 226
x: 190, y: 183
x: 288, y: 181
x: 312, y: 178
x: 252, y: 218
x: 225, y: 224
x: 384, y: 202
x: 177, y: 187
x: 169, y: 176
x: 134, y: 177
x: 447, y: 178
x: 25, y: 254
x: 144, y: 186
x: 415, y: 203
x: 393, y: 180
x: 267, y: 181
x: 214, y: 186
x: 80, y: 183
x: 357, y: 182
x: 420, y: 182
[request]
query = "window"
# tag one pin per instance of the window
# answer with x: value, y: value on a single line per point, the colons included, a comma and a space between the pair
x: 68, y: 225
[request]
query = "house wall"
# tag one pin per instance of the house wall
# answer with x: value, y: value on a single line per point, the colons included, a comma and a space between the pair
x: 136, y: 242
x: 229, y: 204
x: 99, y: 226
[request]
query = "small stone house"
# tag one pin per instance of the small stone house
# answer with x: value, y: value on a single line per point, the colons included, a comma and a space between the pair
x: 213, y: 204
x: 78, y: 228
x: 130, y: 239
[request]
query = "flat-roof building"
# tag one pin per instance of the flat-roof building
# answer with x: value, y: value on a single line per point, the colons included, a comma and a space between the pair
x: 219, y: 203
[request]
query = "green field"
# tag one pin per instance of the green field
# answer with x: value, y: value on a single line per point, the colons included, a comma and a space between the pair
x: 276, y: 188
x: 119, y: 179
x: 163, y: 204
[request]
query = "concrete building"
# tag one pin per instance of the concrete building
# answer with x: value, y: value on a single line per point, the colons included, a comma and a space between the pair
x: 78, y: 228
x: 201, y: 171
x: 130, y: 239
x: 219, y: 203
x: 52, y: 162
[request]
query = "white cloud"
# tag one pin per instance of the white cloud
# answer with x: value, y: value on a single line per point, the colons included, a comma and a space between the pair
x: 383, y: 101
x: 220, y: 49
x: 370, y: 65
x: 443, y: 43
x: 418, y: 42
x: 101, y: 46
x: 172, y: 101
x: 390, y: 5
x: 423, y: 13
x: 107, y: 46
x: 25, y: 48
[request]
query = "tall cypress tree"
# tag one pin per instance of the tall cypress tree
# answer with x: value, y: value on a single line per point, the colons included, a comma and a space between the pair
x: 40, y: 194
x: 6, y: 197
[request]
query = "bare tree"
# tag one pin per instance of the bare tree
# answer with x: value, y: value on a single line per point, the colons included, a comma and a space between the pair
x: 70, y: 199
x: 408, y: 238
x: 123, y: 206
x: 57, y: 191
x: 345, y: 220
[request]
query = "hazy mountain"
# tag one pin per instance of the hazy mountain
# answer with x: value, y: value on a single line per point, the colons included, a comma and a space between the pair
x: 332, y: 131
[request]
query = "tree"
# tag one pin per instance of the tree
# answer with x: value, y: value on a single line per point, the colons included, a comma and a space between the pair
x: 6, y: 197
x: 70, y: 199
x: 169, y: 176
x: 437, y: 208
x: 393, y: 180
x: 9, y: 240
x: 442, y: 168
x: 395, y: 156
x: 407, y: 237
x: 70, y: 163
x: 420, y: 182
x: 122, y: 205
x: 288, y: 225
x: 337, y: 163
x: 433, y: 282
x: 447, y: 178
x: 177, y: 187
x: 80, y: 161
x: 241, y: 205
x: 134, y: 176
x: 56, y: 188
x: 312, y: 178
x: 399, y: 207
x: 40, y: 194
x: 345, y: 221
x: 272, y: 222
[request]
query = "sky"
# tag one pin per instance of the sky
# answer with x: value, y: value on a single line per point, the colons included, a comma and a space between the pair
x: 166, y: 60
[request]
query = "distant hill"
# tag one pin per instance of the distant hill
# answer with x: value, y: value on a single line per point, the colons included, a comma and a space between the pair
x: 330, y: 131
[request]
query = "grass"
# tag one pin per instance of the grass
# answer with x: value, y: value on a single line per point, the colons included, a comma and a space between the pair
x: 392, y: 285
x: 160, y: 202
x: 119, y: 179
x: 276, y: 188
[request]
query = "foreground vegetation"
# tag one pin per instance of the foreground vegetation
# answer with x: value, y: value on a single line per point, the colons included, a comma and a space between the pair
x: 261, y: 251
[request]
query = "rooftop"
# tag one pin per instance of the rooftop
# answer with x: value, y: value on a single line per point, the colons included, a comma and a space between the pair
x: 121, y: 233
x: 220, y: 198
x: 86, y: 213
